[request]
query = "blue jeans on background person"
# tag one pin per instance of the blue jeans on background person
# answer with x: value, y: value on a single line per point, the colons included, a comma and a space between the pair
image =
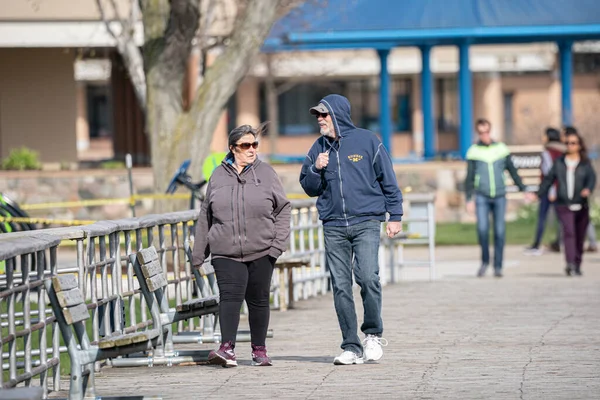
x: 341, y: 244
x: 497, y: 207
x: 544, y: 207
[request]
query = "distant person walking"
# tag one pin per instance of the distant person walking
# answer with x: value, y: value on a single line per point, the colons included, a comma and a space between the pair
x: 553, y: 149
x: 486, y: 192
x: 576, y: 179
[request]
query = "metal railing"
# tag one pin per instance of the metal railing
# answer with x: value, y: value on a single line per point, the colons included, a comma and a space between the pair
x: 98, y: 255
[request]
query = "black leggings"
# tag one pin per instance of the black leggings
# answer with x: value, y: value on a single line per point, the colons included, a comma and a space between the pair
x: 244, y: 280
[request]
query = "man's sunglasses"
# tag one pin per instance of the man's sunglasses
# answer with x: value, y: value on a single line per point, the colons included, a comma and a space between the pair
x: 246, y: 145
x: 322, y: 115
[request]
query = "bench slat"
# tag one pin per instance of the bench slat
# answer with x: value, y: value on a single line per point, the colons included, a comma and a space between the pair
x: 144, y: 256
x: 156, y: 282
x: 151, y: 269
x: 198, y: 303
x: 69, y: 298
x: 61, y: 283
x: 76, y: 314
x: 125, y: 340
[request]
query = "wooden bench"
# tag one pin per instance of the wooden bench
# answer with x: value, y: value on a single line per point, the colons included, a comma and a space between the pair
x: 287, y: 265
x: 153, y: 281
x: 71, y: 312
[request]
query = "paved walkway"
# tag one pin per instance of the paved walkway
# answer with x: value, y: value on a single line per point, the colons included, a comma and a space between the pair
x: 535, y: 334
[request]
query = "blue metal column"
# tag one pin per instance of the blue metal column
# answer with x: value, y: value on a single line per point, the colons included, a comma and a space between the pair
x: 566, y: 81
x: 465, y: 93
x: 385, y: 118
x: 427, y: 103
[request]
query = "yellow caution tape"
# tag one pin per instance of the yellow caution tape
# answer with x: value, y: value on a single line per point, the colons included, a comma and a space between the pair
x: 124, y: 200
x: 103, y: 202
x: 67, y: 222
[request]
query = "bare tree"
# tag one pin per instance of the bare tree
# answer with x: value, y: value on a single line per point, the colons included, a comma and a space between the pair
x: 171, y: 29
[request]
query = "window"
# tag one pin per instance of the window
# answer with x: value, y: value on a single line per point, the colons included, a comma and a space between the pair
x: 446, y: 102
x: 586, y: 63
x: 363, y: 94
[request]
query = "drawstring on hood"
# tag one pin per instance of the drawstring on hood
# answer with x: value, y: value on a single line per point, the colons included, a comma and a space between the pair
x: 229, y: 161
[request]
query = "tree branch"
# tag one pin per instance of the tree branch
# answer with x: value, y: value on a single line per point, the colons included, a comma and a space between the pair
x: 132, y: 57
x: 225, y: 74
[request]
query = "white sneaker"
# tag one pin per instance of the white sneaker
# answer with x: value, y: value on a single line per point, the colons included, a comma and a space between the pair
x: 373, y: 350
x: 348, y: 358
x: 533, y: 251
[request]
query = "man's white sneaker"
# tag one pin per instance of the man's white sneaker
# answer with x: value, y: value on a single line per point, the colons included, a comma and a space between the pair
x: 373, y: 350
x: 348, y: 358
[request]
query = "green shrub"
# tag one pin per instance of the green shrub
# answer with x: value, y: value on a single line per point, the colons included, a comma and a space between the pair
x: 113, y: 165
x: 21, y: 159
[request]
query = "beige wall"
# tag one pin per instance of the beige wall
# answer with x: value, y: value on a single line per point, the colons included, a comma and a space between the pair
x: 63, y: 10
x: 537, y: 104
x: 586, y: 107
x: 38, y: 103
x: 488, y: 101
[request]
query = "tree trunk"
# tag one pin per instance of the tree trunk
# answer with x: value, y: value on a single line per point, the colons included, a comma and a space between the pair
x: 222, y: 79
x: 169, y: 27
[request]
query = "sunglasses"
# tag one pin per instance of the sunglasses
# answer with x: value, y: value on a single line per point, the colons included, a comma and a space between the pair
x: 246, y: 145
x: 322, y: 115
x: 571, y: 143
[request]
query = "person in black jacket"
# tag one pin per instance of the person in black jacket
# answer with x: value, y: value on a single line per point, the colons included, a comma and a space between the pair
x: 576, y: 179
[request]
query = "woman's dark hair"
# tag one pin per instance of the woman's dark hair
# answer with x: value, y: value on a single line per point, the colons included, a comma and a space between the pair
x: 243, y: 130
x: 553, y: 135
x: 582, y: 147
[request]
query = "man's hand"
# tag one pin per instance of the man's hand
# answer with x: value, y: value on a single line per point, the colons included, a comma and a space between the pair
x: 393, y: 228
x: 322, y: 161
x: 471, y: 207
x: 585, y: 192
x: 552, y: 198
x: 530, y: 197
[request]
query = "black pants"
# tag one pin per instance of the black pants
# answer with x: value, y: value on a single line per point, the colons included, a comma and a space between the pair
x: 244, y: 280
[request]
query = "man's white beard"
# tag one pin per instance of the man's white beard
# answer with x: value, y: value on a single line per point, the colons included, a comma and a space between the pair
x: 326, y: 132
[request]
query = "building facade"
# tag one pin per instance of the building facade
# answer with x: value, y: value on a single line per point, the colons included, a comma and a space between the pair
x: 64, y: 92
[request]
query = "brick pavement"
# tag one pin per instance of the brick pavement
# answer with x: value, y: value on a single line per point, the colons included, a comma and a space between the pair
x: 532, y: 335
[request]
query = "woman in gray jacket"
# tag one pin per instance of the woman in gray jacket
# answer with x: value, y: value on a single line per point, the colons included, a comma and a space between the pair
x: 244, y: 224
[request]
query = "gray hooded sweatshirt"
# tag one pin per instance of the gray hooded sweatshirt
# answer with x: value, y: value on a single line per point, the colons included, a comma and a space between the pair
x: 244, y: 217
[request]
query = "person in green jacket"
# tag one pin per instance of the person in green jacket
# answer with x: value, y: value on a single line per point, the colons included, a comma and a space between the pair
x: 486, y: 192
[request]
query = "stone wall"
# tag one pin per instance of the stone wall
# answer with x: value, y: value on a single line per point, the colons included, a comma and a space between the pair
x: 33, y: 187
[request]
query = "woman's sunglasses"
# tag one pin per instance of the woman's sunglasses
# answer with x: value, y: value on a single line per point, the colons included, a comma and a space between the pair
x: 246, y: 145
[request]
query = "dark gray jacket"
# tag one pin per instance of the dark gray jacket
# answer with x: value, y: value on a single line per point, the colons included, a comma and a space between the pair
x: 585, y: 178
x: 244, y: 217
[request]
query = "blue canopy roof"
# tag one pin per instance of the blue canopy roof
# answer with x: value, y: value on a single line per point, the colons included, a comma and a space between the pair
x: 327, y: 24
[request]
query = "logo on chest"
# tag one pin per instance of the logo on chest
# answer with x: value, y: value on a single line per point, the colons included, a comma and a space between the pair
x: 355, y: 157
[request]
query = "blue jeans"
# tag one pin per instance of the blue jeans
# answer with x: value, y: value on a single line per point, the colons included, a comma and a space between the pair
x: 497, y: 207
x: 341, y: 244
x: 544, y: 207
